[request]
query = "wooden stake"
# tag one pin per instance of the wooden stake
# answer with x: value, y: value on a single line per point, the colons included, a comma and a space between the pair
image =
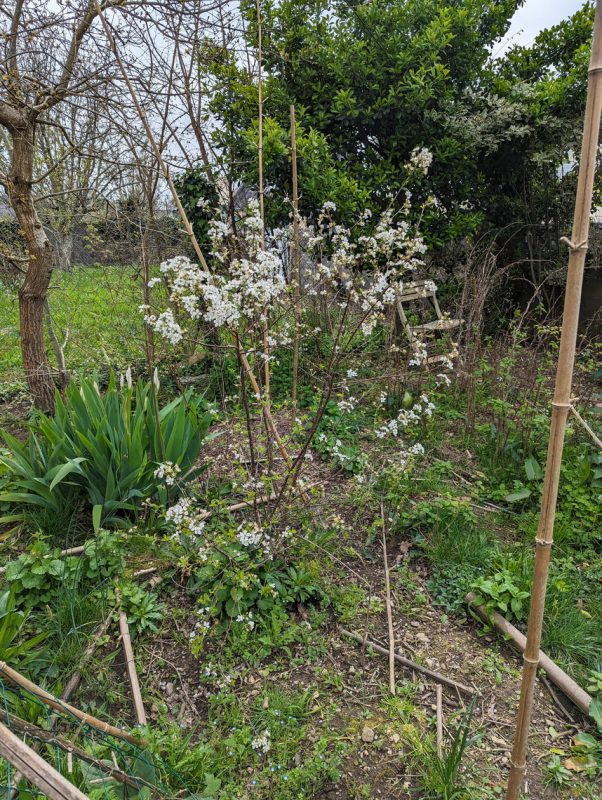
x: 43, y: 776
x: 560, y: 405
x: 16, y: 678
x: 388, y: 606
x: 295, y: 264
x: 439, y: 702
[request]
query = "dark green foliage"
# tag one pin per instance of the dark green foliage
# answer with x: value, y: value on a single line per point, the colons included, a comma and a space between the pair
x: 200, y: 200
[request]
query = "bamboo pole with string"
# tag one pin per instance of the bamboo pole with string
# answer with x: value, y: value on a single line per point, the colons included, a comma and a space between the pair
x: 560, y: 405
x: 261, y: 188
x: 295, y: 263
x: 189, y: 230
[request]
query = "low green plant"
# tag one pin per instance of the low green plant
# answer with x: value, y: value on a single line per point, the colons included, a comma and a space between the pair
x: 143, y: 609
x: 441, y: 774
x: 104, y: 449
x: 556, y: 773
x: 499, y: 593
x: 41, y: 573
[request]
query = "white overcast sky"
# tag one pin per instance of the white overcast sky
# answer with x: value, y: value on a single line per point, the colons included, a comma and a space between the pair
x: 536, y: 15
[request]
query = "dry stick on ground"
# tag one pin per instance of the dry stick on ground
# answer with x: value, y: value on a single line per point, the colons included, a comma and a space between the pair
x: 47, y: 737
x: 434, y: 676
x: 17, y: 679
x: 439, y: 702
x: 558, y: 677
x: 561, y: 405
x: 388, y: 605
x: 43, y: 776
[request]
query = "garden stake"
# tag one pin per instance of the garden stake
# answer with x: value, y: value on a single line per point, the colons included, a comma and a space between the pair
x: 560, y: 405
x: 130, y: 663
x: 295, y: 263
x: 270, y: 424
x: 388, y: 606
x: 439, y: 703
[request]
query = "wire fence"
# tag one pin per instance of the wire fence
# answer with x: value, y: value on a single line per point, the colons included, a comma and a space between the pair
x: 89, y: 758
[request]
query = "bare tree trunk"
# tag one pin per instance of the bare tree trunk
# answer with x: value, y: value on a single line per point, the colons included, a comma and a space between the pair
x: 34, y: 289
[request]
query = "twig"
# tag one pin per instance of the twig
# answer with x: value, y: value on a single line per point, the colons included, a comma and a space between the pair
x: 388, y: 605
x: 434, y: 676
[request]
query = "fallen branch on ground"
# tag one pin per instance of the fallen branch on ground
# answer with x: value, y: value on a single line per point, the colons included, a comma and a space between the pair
x: 434, y: 676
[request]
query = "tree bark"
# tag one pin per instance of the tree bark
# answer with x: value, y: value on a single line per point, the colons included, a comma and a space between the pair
x: 34, y: 289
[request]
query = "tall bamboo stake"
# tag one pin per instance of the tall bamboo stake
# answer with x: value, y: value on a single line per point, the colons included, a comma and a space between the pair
x: 295, y: 263
x: 266, y: 347
x: 560, y: 404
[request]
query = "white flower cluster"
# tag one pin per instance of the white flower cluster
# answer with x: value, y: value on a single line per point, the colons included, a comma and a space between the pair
x: 253, y: 281
x: 247, y: 620
x: 164, y: 324
x: 406, y: 417
x: 250, y: 535
x: 185, y: 518
x: 262, y: 743
x: 421, y: 159
x: 167, y: 472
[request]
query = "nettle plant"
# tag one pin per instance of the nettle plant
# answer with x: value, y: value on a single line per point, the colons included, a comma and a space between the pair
x: 352, y: 274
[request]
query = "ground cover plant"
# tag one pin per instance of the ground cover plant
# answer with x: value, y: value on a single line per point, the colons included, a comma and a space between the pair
x: 255, y: 468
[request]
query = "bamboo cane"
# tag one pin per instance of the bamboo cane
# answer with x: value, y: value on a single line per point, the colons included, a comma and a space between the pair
x: 183, y: 216
x: 48, y: 737
x: 266, y: 347
x: 43, y: 776
x: 388, y: 605
x: 296, y: 263
x: 560, y: 405
x: 439, y: 707
x: 130, y: 661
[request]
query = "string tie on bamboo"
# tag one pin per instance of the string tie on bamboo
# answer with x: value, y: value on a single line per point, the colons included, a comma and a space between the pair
x: 574, y: 248
x: 543, y: 542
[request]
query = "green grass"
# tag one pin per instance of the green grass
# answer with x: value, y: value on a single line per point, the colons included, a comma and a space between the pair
x: 98, y: 306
